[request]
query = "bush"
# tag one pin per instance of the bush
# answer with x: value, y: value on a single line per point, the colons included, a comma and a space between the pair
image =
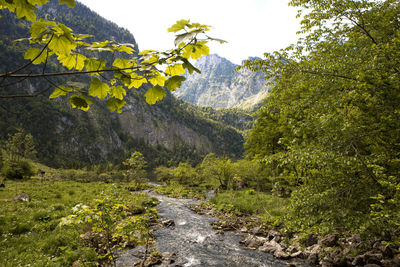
x: 17, y: 170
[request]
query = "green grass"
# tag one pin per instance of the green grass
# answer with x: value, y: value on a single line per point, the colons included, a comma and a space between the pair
x: 178, y: 190
x: 250, y: 202
x: 30, y: 234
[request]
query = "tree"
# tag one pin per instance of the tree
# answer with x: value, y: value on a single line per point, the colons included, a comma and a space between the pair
x: 20, y: 145
x: 18, y: 148
x: 337, y: 115
x: 136, y: 171
x: 123, y: 68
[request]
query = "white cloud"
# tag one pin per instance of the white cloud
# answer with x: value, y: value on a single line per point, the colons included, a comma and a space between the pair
x: 251, y: 27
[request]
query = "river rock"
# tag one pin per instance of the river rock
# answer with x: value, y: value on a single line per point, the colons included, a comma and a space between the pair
x: 270, y: 247
x: 280, y: 254
x: 168, y: 223
x: 254, y: 242
x: 220, y: 232
x: 274, y: 235
x: 22, y: 197
x: 257, y: 230
x: 312, y: 239
x: 387, y: 251
x: 373, y: 258
x: 298, y: 254
x: 358, y: 261
x: 329, y: 240
x: 395, y: 262
x: 244, y: 229
x: 312, y: 259
x: 168, y: 257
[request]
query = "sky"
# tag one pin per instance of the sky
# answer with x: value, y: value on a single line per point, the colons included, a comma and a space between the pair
x: 251, y: 27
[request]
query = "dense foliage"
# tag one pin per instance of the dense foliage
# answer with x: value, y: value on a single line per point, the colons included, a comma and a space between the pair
x: 331, y: 125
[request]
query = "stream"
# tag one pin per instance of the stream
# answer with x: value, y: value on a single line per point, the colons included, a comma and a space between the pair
x: 196, y: 243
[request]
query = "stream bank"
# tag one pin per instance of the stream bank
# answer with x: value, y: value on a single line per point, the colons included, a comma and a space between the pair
x: 189, y: 239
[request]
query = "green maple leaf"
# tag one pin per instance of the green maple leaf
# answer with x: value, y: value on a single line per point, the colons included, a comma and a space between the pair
x: 117, y: 92
x: 136, y: 81
x: 32, y: 53
x: 155, y: 94
x: 61, y: 91
x: 175, y: 70
x: 98, y: 88
x: 179, y: 25
x: 95, y: 64
x: 157, y: 80
x: 174, y: 82
x: 80, y: 102
x: 25, y: 10
x: 114, y: 104
x: 62, y: 45
x: 76, y: 61
x: 70, y: 3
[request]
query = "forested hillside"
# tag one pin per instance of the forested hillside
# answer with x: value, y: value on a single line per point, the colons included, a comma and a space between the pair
x: 67, y: 137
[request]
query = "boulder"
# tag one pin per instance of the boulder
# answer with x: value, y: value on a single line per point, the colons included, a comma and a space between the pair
x: 274, y: 235
x: 372, y: 258
x: 270, y: 247
x: 254, y: 242
x: 312, y: 239
x: 312, y: 259
x: 256, y: 230
x: 358, y: 261
x: 298, y: 254
x: 168, y: 223
x: 22, y: 197
x: 395, y: 262
x: 330, y: 240
x: 280, y: 254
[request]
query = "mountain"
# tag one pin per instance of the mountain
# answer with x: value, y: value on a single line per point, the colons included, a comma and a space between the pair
x: 220, y: 86
x: 171, y: 130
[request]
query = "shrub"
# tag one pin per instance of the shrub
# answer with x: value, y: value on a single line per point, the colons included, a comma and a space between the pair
x: 17, y: 170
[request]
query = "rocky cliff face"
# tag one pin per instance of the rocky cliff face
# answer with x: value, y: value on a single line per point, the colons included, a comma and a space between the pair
x: 220, y: 86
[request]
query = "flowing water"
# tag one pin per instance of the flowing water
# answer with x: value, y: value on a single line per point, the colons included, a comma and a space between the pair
x: 196, y: 243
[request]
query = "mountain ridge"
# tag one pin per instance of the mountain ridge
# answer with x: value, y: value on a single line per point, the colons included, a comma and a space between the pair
x: 220, y: 86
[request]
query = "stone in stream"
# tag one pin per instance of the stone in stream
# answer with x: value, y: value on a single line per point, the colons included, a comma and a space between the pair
x: 168, y: 223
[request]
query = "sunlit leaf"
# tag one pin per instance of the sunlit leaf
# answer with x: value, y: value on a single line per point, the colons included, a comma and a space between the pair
x: 35, y: 55
x: 38, y: 2
x: 123, y: 63
x: 73, y: 61
x: 179, y: 25
x: 136, y: 81
x: 174, y: 70
x: 114, y: 104
x: 117, y: 92
x: 62, y: 45
x: 70, y: 3
x: 157, y: 80
x: 95, y: 64
x: 187, y: 65
x: 98, y: 88
x: 196, y: 51
x: 155, y: 94
x: 80, y: 102
x: 25, y: 10
x: 61, y: 91
x: 174, y: 82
